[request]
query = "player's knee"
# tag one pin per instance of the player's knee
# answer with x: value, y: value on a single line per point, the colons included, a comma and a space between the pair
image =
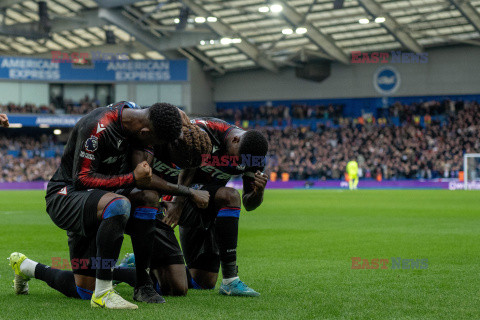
x: 179, y: 290
x: 228, y: 197
x: 208, y: 284
x: 149, y: 198
x: 119, y: 206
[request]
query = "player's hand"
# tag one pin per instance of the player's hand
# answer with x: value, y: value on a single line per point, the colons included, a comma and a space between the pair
x: 260, y: 182
x: 201, y: 198
x: 4, y: 121
x: 172, y: 214
x: 143, y: 174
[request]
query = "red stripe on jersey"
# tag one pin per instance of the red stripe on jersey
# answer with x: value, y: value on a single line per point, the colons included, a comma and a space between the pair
x: 167, y: 198
x: 85, y: 173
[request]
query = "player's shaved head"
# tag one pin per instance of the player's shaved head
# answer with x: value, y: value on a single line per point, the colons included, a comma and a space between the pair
x: 165, y: 121
x: 253, y: 143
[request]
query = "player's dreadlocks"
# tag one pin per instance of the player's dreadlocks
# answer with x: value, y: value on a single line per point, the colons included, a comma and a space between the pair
x: 192, y: 146
x: 253, y: 143
x: 166, y: 121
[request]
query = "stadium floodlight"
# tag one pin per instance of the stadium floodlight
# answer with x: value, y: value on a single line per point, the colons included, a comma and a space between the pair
x: 471, y: 171
x: 276, y: 8
x: 379, y: 20
x: 225, y: 41
x: 212, y: 19
x: 363, y: 21
x: 287, y: 31
x: 176, y: 20
x: 263, y: 9
x: 57, y: 132
x: 301, y: 30
x: 200, y: 19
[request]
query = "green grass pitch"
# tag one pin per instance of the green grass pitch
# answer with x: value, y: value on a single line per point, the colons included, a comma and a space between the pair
x: 296, y: 250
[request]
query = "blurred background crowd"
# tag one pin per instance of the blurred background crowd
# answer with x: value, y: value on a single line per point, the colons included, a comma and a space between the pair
x: 428, y: 143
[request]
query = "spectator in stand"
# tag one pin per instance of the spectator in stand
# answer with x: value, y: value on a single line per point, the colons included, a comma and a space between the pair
x: 281, y: 113
x: 405, y: 152
x: 24, y: 158
x: 385, y: 151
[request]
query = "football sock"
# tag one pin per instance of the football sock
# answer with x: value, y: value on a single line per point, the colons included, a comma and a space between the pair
x: 61, y: 280
x: 228, y: 281
x: 142, y: 234
x: 102, y: 286
x: 109, y: 242
x: 28, y: 268
x: 226, y: 233
x: 126, y: 275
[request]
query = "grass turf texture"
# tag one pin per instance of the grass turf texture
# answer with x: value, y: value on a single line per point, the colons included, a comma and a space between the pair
x: 296, y: 250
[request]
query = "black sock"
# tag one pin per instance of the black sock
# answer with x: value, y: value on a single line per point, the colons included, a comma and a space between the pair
x: 226, y: 234
x: 61, y: 280
x: 127, y: 275
x: 109, y: 243
x: 142, y: 234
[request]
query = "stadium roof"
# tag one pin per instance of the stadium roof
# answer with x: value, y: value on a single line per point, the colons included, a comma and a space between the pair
x: 237, y: 34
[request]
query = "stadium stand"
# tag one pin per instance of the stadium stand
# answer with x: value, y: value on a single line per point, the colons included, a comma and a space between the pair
x: 429, y: 144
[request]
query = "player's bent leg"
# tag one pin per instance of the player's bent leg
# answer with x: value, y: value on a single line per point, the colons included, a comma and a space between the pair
x: 172, y: 279
x: 141, y: 228
x: 202, y: 279
x: 226, y: 235
x: 113, y: 212
x: 167, y: 265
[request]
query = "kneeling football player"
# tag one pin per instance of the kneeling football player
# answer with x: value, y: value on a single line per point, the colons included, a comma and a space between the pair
x: 209, y: 236
x: 80, y: 198
x: 144, y: 204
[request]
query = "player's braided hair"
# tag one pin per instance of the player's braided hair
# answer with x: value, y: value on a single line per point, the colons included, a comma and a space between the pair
x: 166, y: 121
x: 253, y: 143
x: 192, y: 146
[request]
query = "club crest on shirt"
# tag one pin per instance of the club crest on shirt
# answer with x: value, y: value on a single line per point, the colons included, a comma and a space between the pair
x: 91, y: 145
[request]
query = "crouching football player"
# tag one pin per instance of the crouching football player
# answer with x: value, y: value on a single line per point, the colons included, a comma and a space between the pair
x: 144, y: 203
x: 80, y: 198
x: 209, y: 236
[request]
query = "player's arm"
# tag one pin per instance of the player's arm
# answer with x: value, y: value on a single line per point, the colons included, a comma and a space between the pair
x: 4, y: 120
x: 87, y: 161
x: 174, y: 209
x: 253, y: 188
x: 163, y: 187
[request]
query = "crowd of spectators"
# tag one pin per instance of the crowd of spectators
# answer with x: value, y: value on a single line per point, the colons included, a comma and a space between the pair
x: 383, y: 152
x: 411, y: 151
x: 25, y: 158
x: 281, y: 112
x: 83, y: 106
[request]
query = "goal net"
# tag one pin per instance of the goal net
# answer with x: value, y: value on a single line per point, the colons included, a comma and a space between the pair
x: 471, y: 171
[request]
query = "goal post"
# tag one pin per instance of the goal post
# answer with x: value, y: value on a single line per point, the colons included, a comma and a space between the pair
x: 471, y: 169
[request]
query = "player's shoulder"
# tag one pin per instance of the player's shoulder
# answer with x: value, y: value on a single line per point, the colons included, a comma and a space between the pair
x: 214, y: 124
x: 123, y: 104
